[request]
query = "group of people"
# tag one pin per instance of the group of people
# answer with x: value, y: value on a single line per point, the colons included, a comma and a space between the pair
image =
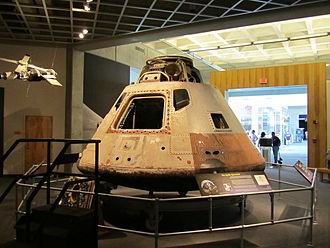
x: 275, y: 143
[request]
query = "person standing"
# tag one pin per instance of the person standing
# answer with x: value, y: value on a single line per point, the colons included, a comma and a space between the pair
x: 253, y: 137
x: 262, y: 136
x: 287, y: 138
x: 276, y: 146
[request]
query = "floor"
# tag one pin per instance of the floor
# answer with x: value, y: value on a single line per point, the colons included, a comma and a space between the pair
x: 287, y: 205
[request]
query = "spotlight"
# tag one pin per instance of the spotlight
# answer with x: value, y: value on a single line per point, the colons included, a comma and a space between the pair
x: 81, y: 35
x: 85, y: 31
x: 86, y: 6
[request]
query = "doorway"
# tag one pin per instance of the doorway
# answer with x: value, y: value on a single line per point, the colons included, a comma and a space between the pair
x: 37, y: 127
x: 274, y: 109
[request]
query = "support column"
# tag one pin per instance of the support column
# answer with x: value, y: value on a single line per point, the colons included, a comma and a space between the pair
x: 74, y: 98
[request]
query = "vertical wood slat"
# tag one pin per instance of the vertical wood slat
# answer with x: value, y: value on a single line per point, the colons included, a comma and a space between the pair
x: 313, y: 75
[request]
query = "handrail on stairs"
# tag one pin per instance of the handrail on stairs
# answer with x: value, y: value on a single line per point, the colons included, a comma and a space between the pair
x: 50, y: 166
x: 46, y: 176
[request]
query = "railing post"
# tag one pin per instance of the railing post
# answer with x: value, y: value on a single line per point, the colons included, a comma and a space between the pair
x: 243, y: 198
x: 1, y: 164
x: 96, y: 190
x: 279, y: 178
x: 210, y: 213
x: 156, y: 222
x: 311, y: 222
x: 272, y: 208
x: 314, y: 192
x: 48, y: 170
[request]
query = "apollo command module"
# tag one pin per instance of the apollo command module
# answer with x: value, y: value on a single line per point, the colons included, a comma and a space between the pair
x: 168, y: 127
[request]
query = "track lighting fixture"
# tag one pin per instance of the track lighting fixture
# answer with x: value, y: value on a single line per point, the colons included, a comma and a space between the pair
x: 86, y: 6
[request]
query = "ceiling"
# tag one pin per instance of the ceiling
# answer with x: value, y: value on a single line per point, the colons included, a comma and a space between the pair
x: 287, y: 42
x: 203, y: 29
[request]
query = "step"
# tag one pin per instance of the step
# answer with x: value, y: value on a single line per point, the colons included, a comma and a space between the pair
x: 63, y: 227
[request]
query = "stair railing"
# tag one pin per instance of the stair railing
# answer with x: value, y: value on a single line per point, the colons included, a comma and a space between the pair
x: 61, y: 158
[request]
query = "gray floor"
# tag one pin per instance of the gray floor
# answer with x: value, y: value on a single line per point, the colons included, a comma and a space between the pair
x: 287, y: 205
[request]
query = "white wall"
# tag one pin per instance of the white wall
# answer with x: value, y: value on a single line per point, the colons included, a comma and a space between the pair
x: 135, y: 55
x: 31, y: 98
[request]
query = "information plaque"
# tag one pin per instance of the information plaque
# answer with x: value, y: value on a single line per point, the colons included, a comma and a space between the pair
x: 232, y: 182
x: 304, y: 171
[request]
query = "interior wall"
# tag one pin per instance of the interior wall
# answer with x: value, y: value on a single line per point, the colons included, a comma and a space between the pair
x: 313, y: 75
x: 135, y: 55
x: 104, y: 80
x: 31, y: 98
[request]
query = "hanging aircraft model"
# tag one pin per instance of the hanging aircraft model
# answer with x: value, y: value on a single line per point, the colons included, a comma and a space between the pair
x: 168, y: 127
x: 29, y: 72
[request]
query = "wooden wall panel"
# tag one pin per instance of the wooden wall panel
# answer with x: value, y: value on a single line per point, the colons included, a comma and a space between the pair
x: 313, y: 75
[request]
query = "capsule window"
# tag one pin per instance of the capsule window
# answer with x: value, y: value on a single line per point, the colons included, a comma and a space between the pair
x: 181, y: 98
x: 219, y: 121
x: 120, y: 99
x: 144, y: 113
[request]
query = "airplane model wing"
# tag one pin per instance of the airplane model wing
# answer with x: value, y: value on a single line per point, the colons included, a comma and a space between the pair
x: 37, y: 68
x: 22, y: 64
x: 52, y: 80
x: 9, y: 60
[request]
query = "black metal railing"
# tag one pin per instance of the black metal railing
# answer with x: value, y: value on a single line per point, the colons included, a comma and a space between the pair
x: 62, y: 158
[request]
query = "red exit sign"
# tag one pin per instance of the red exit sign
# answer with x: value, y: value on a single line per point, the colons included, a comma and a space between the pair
x: 263, y: 80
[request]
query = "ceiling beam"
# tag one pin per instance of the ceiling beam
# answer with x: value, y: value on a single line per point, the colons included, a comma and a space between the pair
x: 119, y: 18
x: 6, y: 26
x: 146, y: 15
x: 95, y: 17
x: 47, y: 17
x: 173, y: 13
x: 201, y: 11
x: 24, y: 18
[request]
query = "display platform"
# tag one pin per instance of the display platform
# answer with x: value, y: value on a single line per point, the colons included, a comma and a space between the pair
x: 136, y: 209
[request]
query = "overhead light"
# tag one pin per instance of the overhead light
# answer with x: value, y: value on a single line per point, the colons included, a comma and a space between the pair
x: 201, y: 49
x: 309, y: 36
x: 83, y: 33
x: 86, y: 6
x: 260, y: 42
x: 235, y: 45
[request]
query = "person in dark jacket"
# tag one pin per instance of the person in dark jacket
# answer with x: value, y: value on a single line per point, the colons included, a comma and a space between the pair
x: 276, y: 146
